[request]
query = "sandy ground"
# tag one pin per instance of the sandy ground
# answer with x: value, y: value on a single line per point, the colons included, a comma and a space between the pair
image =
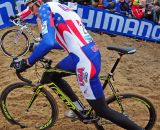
x: 138, y: 73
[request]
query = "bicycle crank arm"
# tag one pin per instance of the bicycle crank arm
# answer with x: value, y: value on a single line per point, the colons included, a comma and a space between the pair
x: 91, y: 120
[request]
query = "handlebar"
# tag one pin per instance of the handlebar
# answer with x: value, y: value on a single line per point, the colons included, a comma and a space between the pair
x: 46, y: 64
x: 17, y: 22
x: 22, y: 78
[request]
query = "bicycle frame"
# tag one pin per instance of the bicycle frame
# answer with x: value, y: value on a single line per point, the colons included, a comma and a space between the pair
x: 67, y: 100
x: 60, y: 93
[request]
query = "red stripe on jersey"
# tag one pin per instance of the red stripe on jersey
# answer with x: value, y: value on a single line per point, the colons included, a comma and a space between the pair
x: 61, y: 28
x: 25, y: 13
x: 75, y: 30
x: 93, y: 71
x: 59, y: 41
x: 51, y: 20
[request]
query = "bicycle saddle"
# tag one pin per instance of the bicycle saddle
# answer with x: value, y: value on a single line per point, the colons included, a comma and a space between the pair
x: 122, y: 50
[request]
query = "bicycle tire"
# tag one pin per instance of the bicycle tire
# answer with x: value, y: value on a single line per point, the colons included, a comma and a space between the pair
x: 14, y: 43
x: 21, y: 98
x: 111, y: 101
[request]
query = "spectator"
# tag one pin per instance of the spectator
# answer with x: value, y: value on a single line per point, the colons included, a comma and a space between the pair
x: 100, y: 4
x: 109, y: 4
x: 149, y: 1
x: 95, y: 3
x: 84, y: 2
x: 153, y: 11
x: 149, y: 11
x: 129, y: 2
x: 137, y: 10
x: 143, y: 3
x: 122, y: 7
x: 157, y: 11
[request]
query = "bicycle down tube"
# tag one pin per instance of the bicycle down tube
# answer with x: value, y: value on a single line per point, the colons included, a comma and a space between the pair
x: 62, y: 96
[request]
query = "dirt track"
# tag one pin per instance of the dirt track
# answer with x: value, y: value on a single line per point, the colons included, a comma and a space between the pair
x: 138, y: 73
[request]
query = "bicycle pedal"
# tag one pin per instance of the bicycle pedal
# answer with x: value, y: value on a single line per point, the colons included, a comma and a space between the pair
x: 91, y: 120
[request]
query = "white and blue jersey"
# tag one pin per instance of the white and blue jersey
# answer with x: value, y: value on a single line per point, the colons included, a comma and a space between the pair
x: 61, y: 24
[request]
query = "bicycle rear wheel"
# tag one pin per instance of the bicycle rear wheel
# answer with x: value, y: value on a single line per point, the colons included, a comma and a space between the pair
x: 14, y: 43
x: 137, y: 108
x: 15, y: 100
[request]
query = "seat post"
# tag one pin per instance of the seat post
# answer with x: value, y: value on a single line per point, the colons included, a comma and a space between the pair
x: 112, y: 70
x: 116, y: 63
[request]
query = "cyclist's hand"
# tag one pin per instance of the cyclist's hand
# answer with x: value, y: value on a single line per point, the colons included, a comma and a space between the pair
x: 20, y: 65
x: 15, y: 18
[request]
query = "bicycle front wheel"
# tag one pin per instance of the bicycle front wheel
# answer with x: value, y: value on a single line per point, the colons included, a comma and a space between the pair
x: 137, y: 108
x: 14, y: 43
x: 15, y: 100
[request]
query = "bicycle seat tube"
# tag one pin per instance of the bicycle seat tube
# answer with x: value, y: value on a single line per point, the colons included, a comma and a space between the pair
x: 110, y: 74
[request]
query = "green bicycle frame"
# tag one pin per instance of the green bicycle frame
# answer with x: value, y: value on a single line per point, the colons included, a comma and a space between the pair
x: 67, y: 100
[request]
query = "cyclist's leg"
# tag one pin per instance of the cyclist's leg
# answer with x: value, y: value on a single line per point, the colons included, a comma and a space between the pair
x: 65, y: 64
x: 87, y: 75
x: 104, y: 111
x: 69, y: 65
x: 57, y: 79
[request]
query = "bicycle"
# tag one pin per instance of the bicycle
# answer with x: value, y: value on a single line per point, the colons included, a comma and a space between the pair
x: 136, y: 107
x: 15, y: 42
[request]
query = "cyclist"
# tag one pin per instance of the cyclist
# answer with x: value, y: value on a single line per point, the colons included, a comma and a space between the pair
x: 60, y: 23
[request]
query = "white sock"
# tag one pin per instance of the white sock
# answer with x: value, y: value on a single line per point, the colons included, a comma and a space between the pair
x: 79, y: 105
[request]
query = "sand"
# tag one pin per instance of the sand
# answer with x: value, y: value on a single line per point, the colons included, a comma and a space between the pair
x: 138, y: 73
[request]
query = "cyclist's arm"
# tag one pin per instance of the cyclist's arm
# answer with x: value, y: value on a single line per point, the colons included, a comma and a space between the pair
x: 25, y: 13
x: 48, y: 32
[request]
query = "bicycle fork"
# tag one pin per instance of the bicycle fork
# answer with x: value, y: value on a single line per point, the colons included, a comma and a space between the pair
x: 37, y: 90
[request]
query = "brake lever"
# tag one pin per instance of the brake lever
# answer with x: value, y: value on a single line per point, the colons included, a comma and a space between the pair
x: 12, y: 63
